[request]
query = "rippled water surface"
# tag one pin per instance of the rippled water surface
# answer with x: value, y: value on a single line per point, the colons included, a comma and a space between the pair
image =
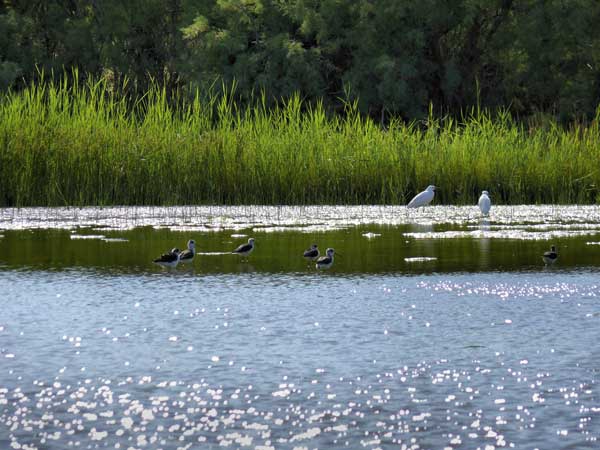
x: 433, y: 329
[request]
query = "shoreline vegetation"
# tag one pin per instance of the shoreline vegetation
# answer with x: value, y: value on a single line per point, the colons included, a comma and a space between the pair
x: 78, y: 144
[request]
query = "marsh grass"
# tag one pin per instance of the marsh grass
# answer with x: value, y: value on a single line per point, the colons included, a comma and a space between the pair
x: 91, y: 144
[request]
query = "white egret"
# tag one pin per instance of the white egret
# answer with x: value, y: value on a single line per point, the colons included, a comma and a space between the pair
x: 188, y: 255
x: 551, y: 256
x: 484, y: 203
x: 423, y: 198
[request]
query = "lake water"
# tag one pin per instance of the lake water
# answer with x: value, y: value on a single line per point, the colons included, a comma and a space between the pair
x: 433, y: 329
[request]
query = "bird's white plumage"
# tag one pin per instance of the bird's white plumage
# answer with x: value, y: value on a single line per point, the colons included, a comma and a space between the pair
x: 187, y: 256
x: 484, y: 203
x: 325, y: 262
x: 422, y: 198
x: 245, y: 249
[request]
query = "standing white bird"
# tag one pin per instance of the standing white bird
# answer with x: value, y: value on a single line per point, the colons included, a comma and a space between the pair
x: 325, y: 262
x: 423, y: 198
x: 188, y: 255
x: 245, y: 249
x: 484, y: 203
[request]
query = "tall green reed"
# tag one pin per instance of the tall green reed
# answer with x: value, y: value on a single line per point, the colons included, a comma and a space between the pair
x: 89, y: 143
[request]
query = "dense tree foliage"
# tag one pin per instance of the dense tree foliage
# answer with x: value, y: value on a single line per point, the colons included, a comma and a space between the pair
x: 395, y: 57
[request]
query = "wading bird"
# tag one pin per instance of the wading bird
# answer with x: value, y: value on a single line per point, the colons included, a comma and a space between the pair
x: 423, y: 198
x: 245, y: 249
x: 170, y: 259
x: 325, y: 262
x: 187, y: 256
x: 551, y: 256
x: 312, y: 253
x: 484, y: 203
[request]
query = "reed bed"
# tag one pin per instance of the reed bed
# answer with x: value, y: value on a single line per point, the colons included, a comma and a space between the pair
x: 89, y: 144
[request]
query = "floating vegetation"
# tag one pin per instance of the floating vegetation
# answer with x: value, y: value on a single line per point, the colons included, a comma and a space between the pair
x: 88, y: 236
x: 417, y: 259
x: 371, y: 235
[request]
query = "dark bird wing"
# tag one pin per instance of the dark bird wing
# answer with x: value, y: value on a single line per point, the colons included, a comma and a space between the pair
x: 242, y: 248
x: 167, y: 257
x: 311, y: 253
x: 186, y: 254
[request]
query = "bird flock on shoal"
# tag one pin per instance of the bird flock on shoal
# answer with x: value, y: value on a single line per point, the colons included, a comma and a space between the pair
x: 175, y: 256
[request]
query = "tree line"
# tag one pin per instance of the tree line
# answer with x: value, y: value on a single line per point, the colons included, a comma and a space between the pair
x: 395, y: 58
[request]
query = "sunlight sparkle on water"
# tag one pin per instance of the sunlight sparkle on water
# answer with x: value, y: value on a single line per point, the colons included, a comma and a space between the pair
x: 515, y: 222
x: 414, y: 355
